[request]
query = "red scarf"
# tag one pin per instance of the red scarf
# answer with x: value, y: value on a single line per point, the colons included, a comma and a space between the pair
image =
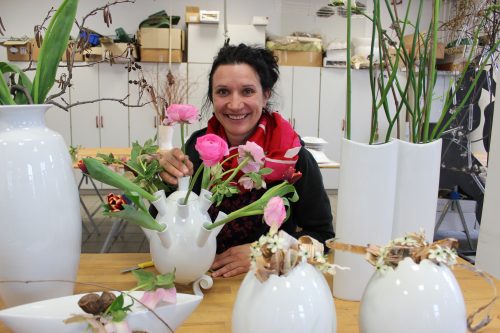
x: 275, y: 135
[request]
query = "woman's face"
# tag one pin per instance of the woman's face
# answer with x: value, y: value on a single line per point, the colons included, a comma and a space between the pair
x: 238, y: 100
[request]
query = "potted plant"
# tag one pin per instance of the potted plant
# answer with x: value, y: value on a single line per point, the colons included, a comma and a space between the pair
x: 394, y: 180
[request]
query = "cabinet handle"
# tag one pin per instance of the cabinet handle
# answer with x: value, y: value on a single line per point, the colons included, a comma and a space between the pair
x: 154, y: 122
x: 96, y: 122
x: 102, y: 122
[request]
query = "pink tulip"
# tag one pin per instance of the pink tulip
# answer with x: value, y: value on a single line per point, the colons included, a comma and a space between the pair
x: 275, y: 213
x: 212, y: 149
x: 181, y: 113
x: 253, y: 150
x: 152, y: 298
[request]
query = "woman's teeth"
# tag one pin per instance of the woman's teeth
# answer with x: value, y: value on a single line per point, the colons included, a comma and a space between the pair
x: 236, y: 117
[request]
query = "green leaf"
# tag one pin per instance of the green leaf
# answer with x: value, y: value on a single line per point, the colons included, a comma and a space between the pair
x: 145, y: 280
x: 139, y: 217
x: 265, y: 171
x: 101, y: 173
x: 165, y: 280
x: 5, y: 96
x: 23, y: 80
x: 53, y: 47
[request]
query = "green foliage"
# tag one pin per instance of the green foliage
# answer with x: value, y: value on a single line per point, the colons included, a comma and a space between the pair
x: 148, y: 281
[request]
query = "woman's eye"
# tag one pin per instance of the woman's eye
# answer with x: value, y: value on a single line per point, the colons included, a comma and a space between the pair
x: 222, y: 92
x: 248, y: 91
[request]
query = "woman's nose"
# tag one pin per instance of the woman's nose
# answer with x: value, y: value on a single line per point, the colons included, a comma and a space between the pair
x: 235, y: 101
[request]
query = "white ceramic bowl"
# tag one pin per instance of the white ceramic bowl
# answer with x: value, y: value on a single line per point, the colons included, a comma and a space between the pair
x: 47, y: 316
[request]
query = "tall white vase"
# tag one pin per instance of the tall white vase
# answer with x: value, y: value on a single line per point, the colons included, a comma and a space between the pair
x: 364, y: 209
x: 40, y: 222
x: 385, y: 191
x: 299, y: 302
x: 413, y: 298
x: 165, y: 137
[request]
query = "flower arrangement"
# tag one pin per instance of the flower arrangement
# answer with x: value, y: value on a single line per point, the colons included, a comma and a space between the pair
x: 412, y: 245
x: 107, y: 312
x: 278, y: 253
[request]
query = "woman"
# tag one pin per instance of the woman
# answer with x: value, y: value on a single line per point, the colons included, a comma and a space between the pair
x: 240, y: 85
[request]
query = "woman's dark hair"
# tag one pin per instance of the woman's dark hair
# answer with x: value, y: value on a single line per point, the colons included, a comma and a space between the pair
x: 261, y: 60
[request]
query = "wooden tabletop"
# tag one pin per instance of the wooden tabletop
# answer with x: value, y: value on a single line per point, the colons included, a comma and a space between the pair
x: 214, y: 313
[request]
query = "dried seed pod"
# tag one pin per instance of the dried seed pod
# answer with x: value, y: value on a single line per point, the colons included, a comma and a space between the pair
x: 106, y: 299
x: 90, y: 304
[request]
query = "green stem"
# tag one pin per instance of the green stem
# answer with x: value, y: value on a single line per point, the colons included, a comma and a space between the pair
x: 183, y: 146
x: 236, y: 170
x: 193, y: 181
x: 348, y: 68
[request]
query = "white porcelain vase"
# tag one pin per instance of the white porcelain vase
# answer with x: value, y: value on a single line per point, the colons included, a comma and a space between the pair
x: 186, y: 245
x: 300, y: 301
x: 40, y: 222
x: 396, y: 184
x: 413, y: 298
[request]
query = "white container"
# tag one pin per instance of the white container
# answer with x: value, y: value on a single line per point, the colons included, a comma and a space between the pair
x: 40, y: 222
x: 413, y: 298
x: 300, y: 302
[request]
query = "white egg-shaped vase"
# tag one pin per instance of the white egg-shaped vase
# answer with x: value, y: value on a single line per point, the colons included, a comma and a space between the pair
x: 186, y: 245
x: 300, y: 302
x: 40, y: 221
x: 413, y: 298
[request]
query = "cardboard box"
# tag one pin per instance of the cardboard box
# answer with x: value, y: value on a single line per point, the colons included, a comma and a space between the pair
x: 192, y: 14
x: 299, y: 58
x: 93, y: 54
x: 19, y: 50
x: 158, y: 38
x: 160, y: 55
x: 119, y: 52
x: 408, y: 42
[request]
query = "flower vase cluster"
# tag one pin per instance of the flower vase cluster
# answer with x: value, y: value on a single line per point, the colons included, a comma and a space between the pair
x: 183, y: 235
x: 285, y: 291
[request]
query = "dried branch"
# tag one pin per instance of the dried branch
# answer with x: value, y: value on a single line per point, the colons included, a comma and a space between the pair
x: 16, y: 87
x: 2, y: 27
x: 68, y: 106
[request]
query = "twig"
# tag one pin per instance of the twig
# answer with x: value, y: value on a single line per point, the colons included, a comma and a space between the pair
x: 121, y: 101
x: 22, y: 89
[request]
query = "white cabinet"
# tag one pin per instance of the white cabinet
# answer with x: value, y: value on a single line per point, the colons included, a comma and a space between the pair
x: 197, y: 91
x: 305, y: 100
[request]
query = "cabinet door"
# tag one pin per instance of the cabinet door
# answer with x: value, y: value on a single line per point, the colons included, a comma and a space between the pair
x: 85, y: 118
x: 197, y: 91
x: 143, y: 120
x: 282, y: 99
x: 305, y: 100
x: 113, y: 83
x: 331, y: 114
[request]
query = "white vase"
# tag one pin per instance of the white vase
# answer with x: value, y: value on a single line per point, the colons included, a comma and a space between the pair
x: 364, y: 210
x: 300, y: 301
x: 186, y: 245
x: 165, y: 137
x: 413, y: 298
x: 40, y: 222
x: 396, y: 185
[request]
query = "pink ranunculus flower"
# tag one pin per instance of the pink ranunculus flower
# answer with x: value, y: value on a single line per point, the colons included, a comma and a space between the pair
x: 212, y: 149
x: 275, y: 213
x: 255, y: 152
x: 117, y: 327
x: 181, y: 113
x: 152, y: 298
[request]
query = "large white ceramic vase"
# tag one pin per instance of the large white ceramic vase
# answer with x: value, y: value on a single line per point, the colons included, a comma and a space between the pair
x: 385, y: 191
x: 413, y: 298
x: 40, y: 222
x: 300, y: 302
x: 186, y: 245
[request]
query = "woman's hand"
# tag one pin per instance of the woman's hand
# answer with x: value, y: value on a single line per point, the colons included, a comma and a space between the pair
x: 233, y: 261
x: 176, y: 164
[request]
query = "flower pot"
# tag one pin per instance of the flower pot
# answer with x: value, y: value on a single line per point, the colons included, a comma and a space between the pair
x: 186, y: 245
x: 397, y: 184
x: 40, y: 222
x: 413, y: 298
x: 300, y: 302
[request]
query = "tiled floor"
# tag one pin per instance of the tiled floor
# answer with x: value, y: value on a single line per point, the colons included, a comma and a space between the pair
x: 131, y: 238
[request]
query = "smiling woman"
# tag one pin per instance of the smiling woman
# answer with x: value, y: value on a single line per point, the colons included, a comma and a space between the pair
x: 241, y: 83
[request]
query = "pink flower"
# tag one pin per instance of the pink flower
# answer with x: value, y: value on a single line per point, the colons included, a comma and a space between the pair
x: 248, y: 184
x: 212, y: 148
x: 152, y: 298
x: 275, y: 213
x: 253, y: 150
x: 181, y: 113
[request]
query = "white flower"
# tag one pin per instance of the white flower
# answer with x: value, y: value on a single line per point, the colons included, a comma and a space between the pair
x: 303, y: 251
x: 255, y: 252
x: 438, y: 254
x: 275, y: 243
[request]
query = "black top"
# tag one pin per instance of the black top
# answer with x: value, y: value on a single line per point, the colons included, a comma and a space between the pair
x: 310, y: 215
